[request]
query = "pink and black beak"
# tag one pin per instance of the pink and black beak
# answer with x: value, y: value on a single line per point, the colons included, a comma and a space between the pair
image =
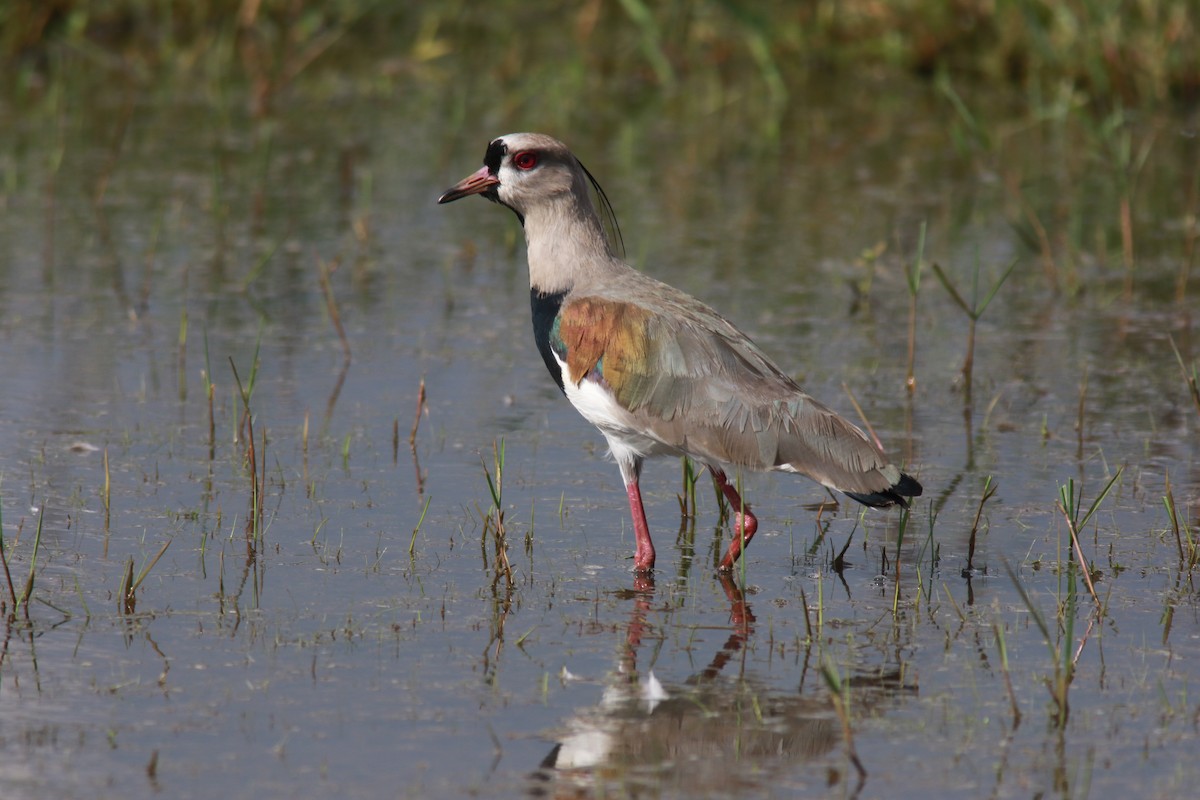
x: 481, y: 182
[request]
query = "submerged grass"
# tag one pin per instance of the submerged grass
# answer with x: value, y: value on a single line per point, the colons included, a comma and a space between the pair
x: 412, y: 545
x: 1059, y: 643
x: 127, y: 594
x: 20, y: 602
x: 12, y: 592
x: 1186, y: 540
x: 494, y: 519
x: 974, y: 310
x: 989, y: 490
x: 1191, y: 377
x: 1060, y: 639
x: 254, y: 525
x: 1070, y: 504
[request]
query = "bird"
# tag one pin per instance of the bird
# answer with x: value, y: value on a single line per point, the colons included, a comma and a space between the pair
x: 656, y: 370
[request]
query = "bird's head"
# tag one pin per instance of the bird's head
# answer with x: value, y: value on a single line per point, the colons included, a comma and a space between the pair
x: 521, y: 171
x: 531, y: 171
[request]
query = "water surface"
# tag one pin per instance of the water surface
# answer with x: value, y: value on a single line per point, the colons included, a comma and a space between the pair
x: 150, y: 244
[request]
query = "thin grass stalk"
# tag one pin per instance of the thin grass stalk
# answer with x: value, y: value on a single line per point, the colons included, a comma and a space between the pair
x: 808, y: 628
x: 1096, y: 503
x: 1038, y: 619
x: 1192, y: 381
x: 181, y: 357
x: 1079, y: 420
x: 861, y: 416
x: 529, y: 534
x: 145, y: 571
x: 839, y: 561
x: 1078, y: 552
x: 126, y: 595
x: 722, y: 504
x: 253, y: 524
x: 687, y: 495
x: 1002, y: 648
x: 412, y: 545
x: 248, y: 391
x: 1126, y: 215
x: 412, y: 434
x: 107, y: 492
x: 839, y: 693
x: 932, y: 547
x: 261, y: 490
x: 979, y: 133
x: 502, y: 567
x: 261, y: 264
x: 1058, y: 684
x: 1012, y: 183
x: 27, y: 593
x: 912, y: 277
x: 989, y: 490
x: 324, y: 273
x: 900, y: 531
x: 1173, y: 516
x: 12, y: 593
x: 209, y: 391
x: 974, y: 311
x: 1066, y: 671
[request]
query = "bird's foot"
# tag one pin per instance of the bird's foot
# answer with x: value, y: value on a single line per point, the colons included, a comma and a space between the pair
x: 643, y: 559
x: 745, y: 526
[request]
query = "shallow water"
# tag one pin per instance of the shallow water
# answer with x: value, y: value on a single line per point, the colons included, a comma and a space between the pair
x: 321, y: 655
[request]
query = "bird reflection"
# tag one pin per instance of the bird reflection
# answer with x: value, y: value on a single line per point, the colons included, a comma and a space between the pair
x: 715, y: 732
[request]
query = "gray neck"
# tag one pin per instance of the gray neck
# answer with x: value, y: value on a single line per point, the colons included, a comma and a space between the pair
x: 566, y: 242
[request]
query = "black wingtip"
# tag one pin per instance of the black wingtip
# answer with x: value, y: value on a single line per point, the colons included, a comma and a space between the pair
x: 908, y: 486
x: 896, y: 495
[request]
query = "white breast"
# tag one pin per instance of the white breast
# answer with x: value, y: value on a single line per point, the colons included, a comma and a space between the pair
x: 596, y: 403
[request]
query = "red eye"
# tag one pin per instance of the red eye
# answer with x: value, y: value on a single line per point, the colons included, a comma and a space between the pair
x: 525, y: 160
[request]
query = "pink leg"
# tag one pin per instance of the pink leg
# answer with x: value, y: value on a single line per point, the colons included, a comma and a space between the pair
x: 746, y: 524
x: 643, y: 559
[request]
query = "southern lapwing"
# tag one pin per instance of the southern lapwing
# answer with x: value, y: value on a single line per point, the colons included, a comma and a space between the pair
x: 657, y: 371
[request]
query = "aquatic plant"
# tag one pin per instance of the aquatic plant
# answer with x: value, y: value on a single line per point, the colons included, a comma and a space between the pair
x: 974, y: 310
x: 494, y: 519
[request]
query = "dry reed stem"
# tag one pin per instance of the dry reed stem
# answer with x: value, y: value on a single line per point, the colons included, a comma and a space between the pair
x: 412, y: 434
x: 1002, y: 646
x: 989, y: 490
x: 1127, y: 246
x: 1083, y: 566
x: 12, y: 592
x: 324, y: 271
x: 910, y: 382
x: 862, y: 417
x: 256, y: 499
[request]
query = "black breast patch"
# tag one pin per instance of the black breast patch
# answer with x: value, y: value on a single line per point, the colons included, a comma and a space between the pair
x: 545, y: 309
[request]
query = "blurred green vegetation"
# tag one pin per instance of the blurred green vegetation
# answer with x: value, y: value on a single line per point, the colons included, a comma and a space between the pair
x: 1115, y: 53
x: 1077, y: 117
